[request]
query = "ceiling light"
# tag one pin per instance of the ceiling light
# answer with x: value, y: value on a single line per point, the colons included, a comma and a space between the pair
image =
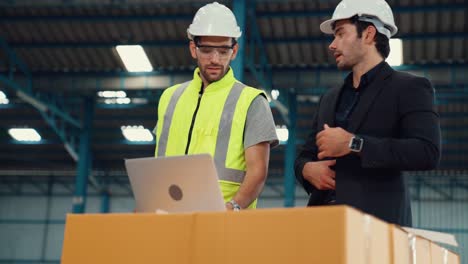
x: 282, y: 133
x: 112, y: 94
x: 134, y: 58
x: 125, y: 100
x: 3, y: 98
x: 24, y: 134
x: 136, y: 133
x: 275, y: 94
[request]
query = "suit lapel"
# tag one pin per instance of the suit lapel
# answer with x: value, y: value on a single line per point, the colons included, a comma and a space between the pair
x: 329, y: 107
x: 368, y: 97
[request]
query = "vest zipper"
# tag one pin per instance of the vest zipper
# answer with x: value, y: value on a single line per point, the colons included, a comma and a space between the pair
x: 193, y: 120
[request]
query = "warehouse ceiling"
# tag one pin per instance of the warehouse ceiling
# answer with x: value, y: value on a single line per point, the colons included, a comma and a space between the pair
x: 64, y: 53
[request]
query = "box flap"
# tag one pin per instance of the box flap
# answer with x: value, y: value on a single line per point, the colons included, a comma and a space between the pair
x: 440, y: 237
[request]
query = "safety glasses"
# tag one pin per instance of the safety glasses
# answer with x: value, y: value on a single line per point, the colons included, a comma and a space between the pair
x: 207, y: 51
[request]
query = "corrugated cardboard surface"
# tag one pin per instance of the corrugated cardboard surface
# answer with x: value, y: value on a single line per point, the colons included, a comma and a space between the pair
x: 438, y: 237
x: 332, y: 235
x: 127, y: 238
x: 209, y: 238
x: 421, y: 250
x: 379, y: 248
x: 453, y: 258
x: 400, y: 246
x: 440, y: 255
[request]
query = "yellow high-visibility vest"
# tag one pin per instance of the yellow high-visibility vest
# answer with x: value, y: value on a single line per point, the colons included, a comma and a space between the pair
x: 190, y: 122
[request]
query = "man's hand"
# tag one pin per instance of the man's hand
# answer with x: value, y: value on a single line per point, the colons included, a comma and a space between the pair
x: 319, y: 174
x: 333, y: 142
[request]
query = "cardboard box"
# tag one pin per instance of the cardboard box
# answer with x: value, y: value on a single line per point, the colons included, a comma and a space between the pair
x: 332, y: 235
x: 420, y: 250
x: 127, y: 238
x: 298, y: 235
x: 209, y: 238
x: 400, y: 247
x: 440, y: 255
x: 453, y: 258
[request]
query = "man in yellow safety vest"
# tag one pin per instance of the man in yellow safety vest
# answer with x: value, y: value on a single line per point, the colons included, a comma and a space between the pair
x: 215, y: 113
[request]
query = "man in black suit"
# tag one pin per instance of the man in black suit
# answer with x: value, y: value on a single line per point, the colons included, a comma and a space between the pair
x: 378, y: 123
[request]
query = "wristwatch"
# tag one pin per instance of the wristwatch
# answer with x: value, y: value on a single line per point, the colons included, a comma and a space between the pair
x: 235, y: 205
x: 355, y: 144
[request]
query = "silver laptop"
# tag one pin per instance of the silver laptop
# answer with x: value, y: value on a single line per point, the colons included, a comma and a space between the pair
x: 175, y: 184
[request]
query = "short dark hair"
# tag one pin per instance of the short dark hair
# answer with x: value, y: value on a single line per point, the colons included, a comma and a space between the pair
x: 196, y: 39
x: 381, y: 41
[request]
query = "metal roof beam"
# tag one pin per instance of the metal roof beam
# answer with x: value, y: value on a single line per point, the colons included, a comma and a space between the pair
x: 188, y: 17
x: 116, y: 4
x: 95, y: 18
x: 100, y: 44
x: 240, y: 11
x: 406, y: 67
x: 182, y: 43
x: 261, y: 70
x: 25, y: 91
x: 407, y: 36
x: 396, y: 10
x: 49, y: 107
x: 189, y: 72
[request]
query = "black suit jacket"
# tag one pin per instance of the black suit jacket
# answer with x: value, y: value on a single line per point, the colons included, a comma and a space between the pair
x: 397, y: 119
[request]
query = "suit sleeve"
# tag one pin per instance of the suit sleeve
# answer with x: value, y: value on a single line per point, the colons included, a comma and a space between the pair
x: 307, y: 153
x: 418, y: 144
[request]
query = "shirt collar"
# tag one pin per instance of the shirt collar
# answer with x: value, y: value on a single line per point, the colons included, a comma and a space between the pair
x: 227, y: 81
x: 366, y: 78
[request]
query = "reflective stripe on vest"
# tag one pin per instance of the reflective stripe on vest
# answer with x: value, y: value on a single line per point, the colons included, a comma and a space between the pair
x: 222, y: 140
x: 162, y: 142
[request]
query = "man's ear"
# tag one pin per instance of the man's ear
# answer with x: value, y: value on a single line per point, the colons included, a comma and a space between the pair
x: 235, y: 49
x: 369, y: 34
x: 193, y: 49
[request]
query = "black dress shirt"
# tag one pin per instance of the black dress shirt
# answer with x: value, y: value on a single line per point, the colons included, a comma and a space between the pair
x: 349, y: 96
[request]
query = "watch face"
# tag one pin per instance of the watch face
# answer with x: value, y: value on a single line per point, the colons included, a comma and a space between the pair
x: 356, y: 144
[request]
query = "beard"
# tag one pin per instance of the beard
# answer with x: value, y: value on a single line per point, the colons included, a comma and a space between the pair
x: 344, y: 67
x: 212, y: 72
x: 342, y: 64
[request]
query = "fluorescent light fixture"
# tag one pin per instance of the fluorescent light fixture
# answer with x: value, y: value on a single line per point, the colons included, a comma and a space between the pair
x: 3, y: 98
x: 275, y: 94
x: 395, y: 58
x: 136, y: 133
x: 24, y: 134
x: 139, y: 101
x: 112, y: 94
x: 282, y: 133
x: 125, y: 100
x: 134, y: 58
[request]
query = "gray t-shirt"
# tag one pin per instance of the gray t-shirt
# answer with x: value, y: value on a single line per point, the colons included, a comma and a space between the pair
x: 260, y: 126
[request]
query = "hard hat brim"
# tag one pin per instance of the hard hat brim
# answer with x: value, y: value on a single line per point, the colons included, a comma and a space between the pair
x: 192, y: 33
x: 327, y: 26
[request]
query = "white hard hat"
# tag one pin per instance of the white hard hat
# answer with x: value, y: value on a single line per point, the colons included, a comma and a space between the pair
x: 214, y: 20
x: 377, y: 12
